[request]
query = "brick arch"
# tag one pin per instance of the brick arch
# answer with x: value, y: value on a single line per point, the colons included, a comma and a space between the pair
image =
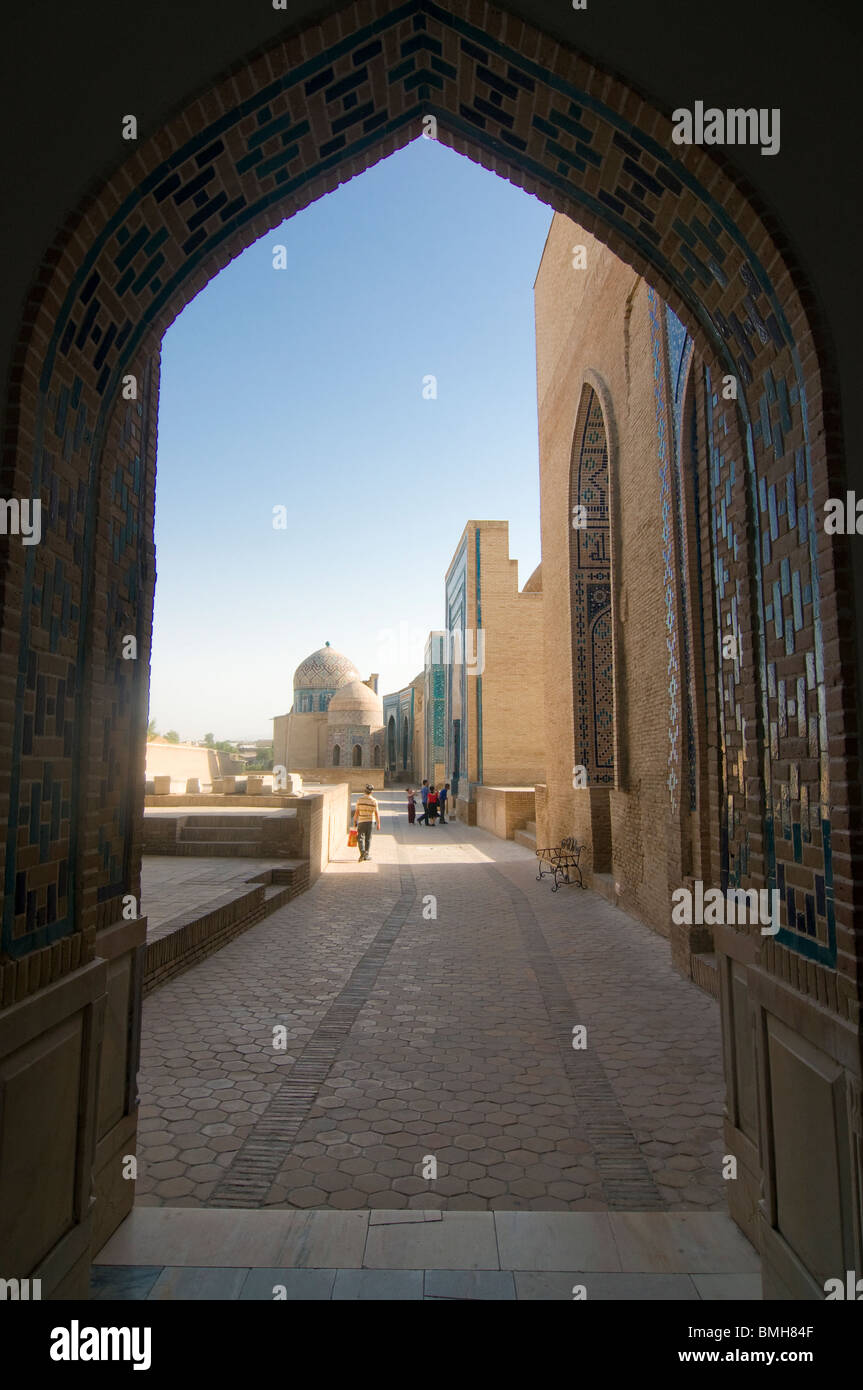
x: 263, y: 142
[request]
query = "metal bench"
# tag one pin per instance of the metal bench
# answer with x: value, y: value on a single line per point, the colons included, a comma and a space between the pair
x: 559, y: 862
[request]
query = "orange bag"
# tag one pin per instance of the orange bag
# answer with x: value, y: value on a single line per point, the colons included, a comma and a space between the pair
x: 352, y: 838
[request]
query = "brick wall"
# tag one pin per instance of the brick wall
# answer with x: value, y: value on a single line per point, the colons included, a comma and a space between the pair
x: 593, y: 332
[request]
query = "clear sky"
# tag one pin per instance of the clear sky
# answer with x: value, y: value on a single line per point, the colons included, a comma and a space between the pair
x: 303, y: 388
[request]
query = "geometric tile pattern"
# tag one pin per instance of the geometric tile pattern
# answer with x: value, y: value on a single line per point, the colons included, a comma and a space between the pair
x: 669, y: 559
x: 732, y: 604
x: 590, y: 595
x: 679, y: 350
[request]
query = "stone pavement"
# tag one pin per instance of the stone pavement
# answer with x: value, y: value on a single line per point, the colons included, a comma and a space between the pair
x: 426, y: 1002
x: 505, y: 1255
x: 173, y: 885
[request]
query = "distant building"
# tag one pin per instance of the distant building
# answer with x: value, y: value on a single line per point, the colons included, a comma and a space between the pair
x: 484, y: 674
x: 335, y: 725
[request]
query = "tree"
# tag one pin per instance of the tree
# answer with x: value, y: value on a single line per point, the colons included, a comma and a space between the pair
x: 151, y: 729
x: 263, y: 761
x: 209, y: 740
x: 172, y: 736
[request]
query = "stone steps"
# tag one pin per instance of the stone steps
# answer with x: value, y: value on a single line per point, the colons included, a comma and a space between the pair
x: 231, y: 849
x: 217, y: 822
x: 527, y: 836
x: 209, y: 834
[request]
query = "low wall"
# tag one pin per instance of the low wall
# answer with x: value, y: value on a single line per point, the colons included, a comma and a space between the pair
x: 315, y: 831
x: 214, y: 801
x: 181, y: 760
x: 503, y: 810
x: 357, y: 778
x: 465, y: 810
x: 200, y: 933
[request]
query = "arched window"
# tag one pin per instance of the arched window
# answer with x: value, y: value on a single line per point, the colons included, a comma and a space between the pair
x: 377, y: 755
x: 337, y: 755
x: 358, y: 756
x: 391, y: 744
x: 405, y: 744
x: 590, y: 596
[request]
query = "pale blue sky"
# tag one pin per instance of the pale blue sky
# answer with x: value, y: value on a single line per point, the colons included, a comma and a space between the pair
x: 303, y: 387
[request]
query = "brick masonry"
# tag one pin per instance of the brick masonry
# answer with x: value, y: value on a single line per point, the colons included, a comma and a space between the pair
x: 259, y: 145
x: 193, y: 937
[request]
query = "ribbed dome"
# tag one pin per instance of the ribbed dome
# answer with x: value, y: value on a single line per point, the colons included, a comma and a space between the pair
x: 356, y: 700
x: 325, y: 669
x: 534, y: 584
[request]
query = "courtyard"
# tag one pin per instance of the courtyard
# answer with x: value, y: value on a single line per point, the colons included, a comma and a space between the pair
x: 422, y: 1006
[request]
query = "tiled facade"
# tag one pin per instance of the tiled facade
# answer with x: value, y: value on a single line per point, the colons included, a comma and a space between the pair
x: 399, y: 716
x: 635, y: 427
x: 434, y: 687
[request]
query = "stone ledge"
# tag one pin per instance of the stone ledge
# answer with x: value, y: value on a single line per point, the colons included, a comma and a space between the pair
x: 194, y: 936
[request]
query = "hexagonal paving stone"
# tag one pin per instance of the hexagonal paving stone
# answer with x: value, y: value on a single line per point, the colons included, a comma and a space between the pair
x: 306, y: 1196
x: 320, y: 1163
x: 172, y: 1168
x: 357, y: 1165
x: 468, y: 1170
x: 488, y: 1187
x: 387, y: 1201
x: 160, y: 1152
x: 175, y: 1187
x: 526, y: 1187
x: 204, y: 1172
x: 372, y: 1182
x: 347, y: 1199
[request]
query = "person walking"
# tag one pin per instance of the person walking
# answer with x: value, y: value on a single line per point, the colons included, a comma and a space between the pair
x: 412, y: 806
x: 431, y: 806
x: 443, y: 797
x: 424, y: 793
x: 366, y: 817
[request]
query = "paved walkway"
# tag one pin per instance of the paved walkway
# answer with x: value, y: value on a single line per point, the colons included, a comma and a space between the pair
x: 272, y: 1255
x: 425, y: 1003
